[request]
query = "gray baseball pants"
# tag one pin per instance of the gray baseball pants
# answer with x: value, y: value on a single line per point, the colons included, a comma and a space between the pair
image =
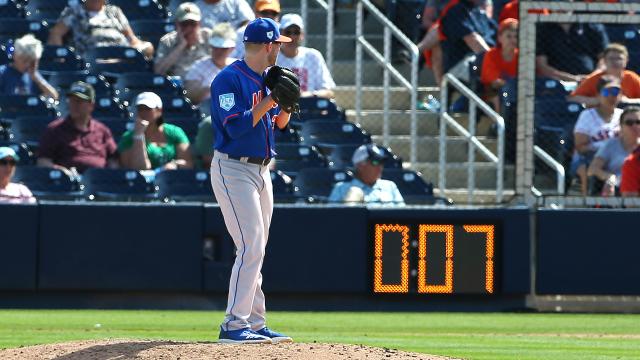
x: 244, y: 193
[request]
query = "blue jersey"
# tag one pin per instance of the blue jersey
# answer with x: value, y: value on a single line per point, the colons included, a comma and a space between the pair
x: 234, y: 92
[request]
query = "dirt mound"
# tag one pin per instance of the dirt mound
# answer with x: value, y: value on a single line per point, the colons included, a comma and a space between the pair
x: 143, y: 349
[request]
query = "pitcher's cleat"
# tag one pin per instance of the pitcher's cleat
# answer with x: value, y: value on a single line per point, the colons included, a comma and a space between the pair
x: 274, y: 336
x: 242, y: 336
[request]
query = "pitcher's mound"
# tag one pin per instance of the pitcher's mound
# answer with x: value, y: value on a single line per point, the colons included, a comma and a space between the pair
x: 143, y: 349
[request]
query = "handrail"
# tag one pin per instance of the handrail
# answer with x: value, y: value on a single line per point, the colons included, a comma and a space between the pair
x: 329, y: 7
x: 554, y: 164
x: 446, y: 119
x: 384, y: 60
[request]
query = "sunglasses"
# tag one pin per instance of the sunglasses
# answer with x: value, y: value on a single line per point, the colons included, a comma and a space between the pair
x: 375, y: 162
x: 5, y: 162
x: 632, y: 122
x: 295, y: 32
x: 612, y: 91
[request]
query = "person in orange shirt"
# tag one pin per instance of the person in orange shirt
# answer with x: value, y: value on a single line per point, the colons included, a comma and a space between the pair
x: 501, y: 62
x: 630, y: 182
x: 615, y: 59
x: 430, y: 44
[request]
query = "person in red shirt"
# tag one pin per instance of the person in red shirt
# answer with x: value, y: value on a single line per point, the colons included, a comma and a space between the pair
x: 430, y: 44
x: 630, y: 182
x: 615, y: 58
x: 501, y: 62
x: 78, y: 141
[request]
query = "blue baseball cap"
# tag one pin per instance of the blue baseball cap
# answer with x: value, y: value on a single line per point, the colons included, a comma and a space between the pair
x: 263, y: 30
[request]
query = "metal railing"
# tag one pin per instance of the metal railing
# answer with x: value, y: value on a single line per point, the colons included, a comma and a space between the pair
x: 385, y: 61
x: 329, y: 7
x: 554, y: 164
x: 475, y: 103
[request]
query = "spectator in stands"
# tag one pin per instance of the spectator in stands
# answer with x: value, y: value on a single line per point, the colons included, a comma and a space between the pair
x: 203, y: 147
x: 367, y: 185
x: 429, y: 46
x: 500, y: 63
x: 468, y: 31
x: 181, y: 48
x: 93, y: 24
x: 264, y: 9
x: 236, y: 12
x: 78, y: 142
x: 607, y: 163
x: 198, y: 79
x: 11, y: 192
x: 152, y: 144
x: 510, y: 11
x: 307, y: 63
x: 594, y: 126
x: 569, y: 51
x: 615, y: 58
x: 22, y: 77
x: 630, y: 182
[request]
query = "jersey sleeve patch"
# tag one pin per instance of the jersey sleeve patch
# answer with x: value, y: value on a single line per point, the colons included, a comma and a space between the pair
x: 227, y: 101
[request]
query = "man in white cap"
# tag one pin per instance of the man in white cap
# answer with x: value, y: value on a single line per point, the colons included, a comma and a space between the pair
x: 181, y: 48
x: 367, y: 185
x: 198, y: 79
x: 11, y: 192
x: 236, y: 12
x: 307, y: 63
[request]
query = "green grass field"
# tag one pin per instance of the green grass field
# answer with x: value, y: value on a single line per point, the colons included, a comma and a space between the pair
x: 466, y: 335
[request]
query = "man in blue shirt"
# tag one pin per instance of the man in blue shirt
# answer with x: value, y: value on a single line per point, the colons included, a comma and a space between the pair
x: 367, y: 186
x: 244, y: 116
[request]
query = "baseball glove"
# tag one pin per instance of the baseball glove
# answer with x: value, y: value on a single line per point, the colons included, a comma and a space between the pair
x: 285, y: 88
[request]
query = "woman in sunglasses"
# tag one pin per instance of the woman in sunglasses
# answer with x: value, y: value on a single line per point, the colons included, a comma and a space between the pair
x: 594, y: 126
x: 11, y: 192
x: 607, y: 163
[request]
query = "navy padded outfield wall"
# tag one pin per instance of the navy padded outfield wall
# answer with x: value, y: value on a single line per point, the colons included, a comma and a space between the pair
x: 18, y: 246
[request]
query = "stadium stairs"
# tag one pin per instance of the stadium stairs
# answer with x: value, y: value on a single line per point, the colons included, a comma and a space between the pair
x: 371, y: 119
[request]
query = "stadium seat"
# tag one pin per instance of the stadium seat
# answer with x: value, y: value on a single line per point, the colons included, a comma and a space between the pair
x: 13, y: 28
x: 29, y: 129
x: 110, y: 107
x: 63, y: 80
x: 48, y: 183
x: 282, y: 187
x: 141, y: 9
x: 318, y: 108
x: 315, y: 184
x: 152, y: 30
x: 340, y: 157
x: 634, y: 61
x: 626, y: 34
x: 5, y: 58
x: 292, y: 158
x: 13, y: 106
x: 60, y: 58
x: 11, y: 9
x: 547, y: 88
x: 289, y: 135
x: 556, y: 112
x: 131, y: 84
x: 412, y: 186
x: 117, y: 184
x: 23, y: 150
x: 48, y: 10
x: 327, y: 133
x: 113, y: 60
x: 179, y: 107
x: 118, y: 126
x: 184, y: 185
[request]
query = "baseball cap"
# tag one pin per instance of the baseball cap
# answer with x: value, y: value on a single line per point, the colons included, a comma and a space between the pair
x: 263, y: 30
x: 82, y: 90
x: 187, y: 11
x: 8, y: 152
x: 266, y: 5
x: 507, y: 23
x: 291, y: 19
x: 149, y: 99
x: 368, y: 152
x: 223, y: 36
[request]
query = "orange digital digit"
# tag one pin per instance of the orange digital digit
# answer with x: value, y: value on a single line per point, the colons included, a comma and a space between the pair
x: 378, y: 285
x: 423, y: 287
x: 489, y: 230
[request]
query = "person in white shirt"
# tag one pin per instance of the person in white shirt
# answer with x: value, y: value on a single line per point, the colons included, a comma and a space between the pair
x: 198, y: 79
x: 236, y: 12
x: 262, y: 9
x: 307, y: 63
x: 596, y: 125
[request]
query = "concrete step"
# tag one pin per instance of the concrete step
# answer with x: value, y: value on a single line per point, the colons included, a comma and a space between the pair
x: 400, y: 122
x: 480, y: 197
x: 344, y: 46
x: 344, y: 72
x: 429, y: 147
x: 373, y: 97
x: 457, y: 175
